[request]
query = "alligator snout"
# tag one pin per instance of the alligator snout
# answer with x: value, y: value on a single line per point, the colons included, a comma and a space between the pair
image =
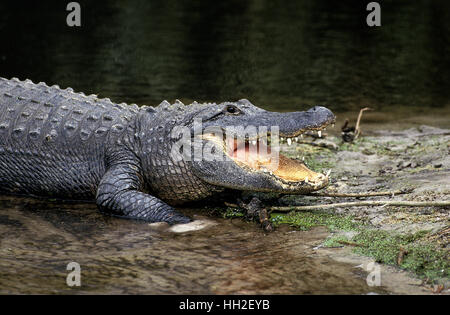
x: 294, y: 123
x: 321, y: 113
x: 321, y: 109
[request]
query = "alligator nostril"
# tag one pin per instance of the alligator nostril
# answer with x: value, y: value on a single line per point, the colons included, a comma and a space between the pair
x: 315, y: 108
x: 319, y: 109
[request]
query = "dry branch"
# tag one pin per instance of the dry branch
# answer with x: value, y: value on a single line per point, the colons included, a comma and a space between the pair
x: 357, y: 130
x: 368, y: 194
x: 365, y: 203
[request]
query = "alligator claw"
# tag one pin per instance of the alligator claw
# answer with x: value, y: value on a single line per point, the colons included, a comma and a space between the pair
x: 257, y: 212
x: 191, y: 226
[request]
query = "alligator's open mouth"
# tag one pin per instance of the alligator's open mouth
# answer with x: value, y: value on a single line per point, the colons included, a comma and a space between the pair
x: 260, y: 154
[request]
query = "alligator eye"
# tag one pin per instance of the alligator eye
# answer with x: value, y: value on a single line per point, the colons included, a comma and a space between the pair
x: 231, y: 109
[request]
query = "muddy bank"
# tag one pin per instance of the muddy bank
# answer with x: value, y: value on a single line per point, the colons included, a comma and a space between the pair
x: 409, y: 238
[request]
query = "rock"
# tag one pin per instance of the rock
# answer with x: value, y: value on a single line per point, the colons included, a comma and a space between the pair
x: 327, y: 144
x: 368, y: 152
x: 191, y: 226
x: 405, y: 164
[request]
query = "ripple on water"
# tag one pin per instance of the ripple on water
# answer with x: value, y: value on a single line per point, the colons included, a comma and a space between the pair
x: 39, y: 239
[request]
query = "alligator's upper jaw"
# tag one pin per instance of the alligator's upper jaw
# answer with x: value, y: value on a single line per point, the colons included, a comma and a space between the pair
x: 296, y: 123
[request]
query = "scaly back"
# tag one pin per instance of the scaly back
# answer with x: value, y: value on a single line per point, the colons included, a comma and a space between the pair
x: 52, y: 141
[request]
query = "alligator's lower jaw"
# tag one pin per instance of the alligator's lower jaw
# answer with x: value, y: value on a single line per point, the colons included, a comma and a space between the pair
x: 291, y: 174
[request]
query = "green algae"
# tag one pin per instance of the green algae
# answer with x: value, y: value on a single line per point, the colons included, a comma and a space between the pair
x: 306, y: 220
x: 418, y: 256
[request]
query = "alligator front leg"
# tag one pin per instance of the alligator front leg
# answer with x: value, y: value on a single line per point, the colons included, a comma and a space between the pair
x: 119, y: 194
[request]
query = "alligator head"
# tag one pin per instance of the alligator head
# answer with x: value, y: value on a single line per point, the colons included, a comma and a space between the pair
x: 235, y: 145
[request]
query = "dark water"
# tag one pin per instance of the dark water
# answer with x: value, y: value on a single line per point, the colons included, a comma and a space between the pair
x: 280, y: 55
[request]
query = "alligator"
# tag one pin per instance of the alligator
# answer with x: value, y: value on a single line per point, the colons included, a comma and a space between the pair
x: 57, y: 143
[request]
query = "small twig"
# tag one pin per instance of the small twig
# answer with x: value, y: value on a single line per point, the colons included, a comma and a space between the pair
x: 357, y: 130
x: 326, y: 145
x: 369, y: 194
x: 401, y: 255
x: 350, y: 243
x: 365, y: 203
x: 264, y: 220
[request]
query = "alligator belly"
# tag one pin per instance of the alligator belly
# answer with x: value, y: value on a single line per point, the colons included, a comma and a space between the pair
x: 22, y: 171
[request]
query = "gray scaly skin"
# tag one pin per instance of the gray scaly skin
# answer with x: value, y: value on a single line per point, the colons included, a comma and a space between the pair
x: 58, y: 143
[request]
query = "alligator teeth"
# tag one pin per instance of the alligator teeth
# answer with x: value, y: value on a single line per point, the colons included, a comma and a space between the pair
x: 328, y: 172
x: 296, y: 139
x: 289, y: 141
x: 301, y: 135
x: 303, y: 158
x: 332, y: 126
x: 306, y: 180
x: 319, y: 133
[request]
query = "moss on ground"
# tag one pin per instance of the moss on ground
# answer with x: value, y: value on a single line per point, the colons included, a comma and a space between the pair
x: 318, y: 165
x: 407, y: 251
x: 231, y: 213
x: 306, y: 220
x: 336, y: 241
x: 420, y: 257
